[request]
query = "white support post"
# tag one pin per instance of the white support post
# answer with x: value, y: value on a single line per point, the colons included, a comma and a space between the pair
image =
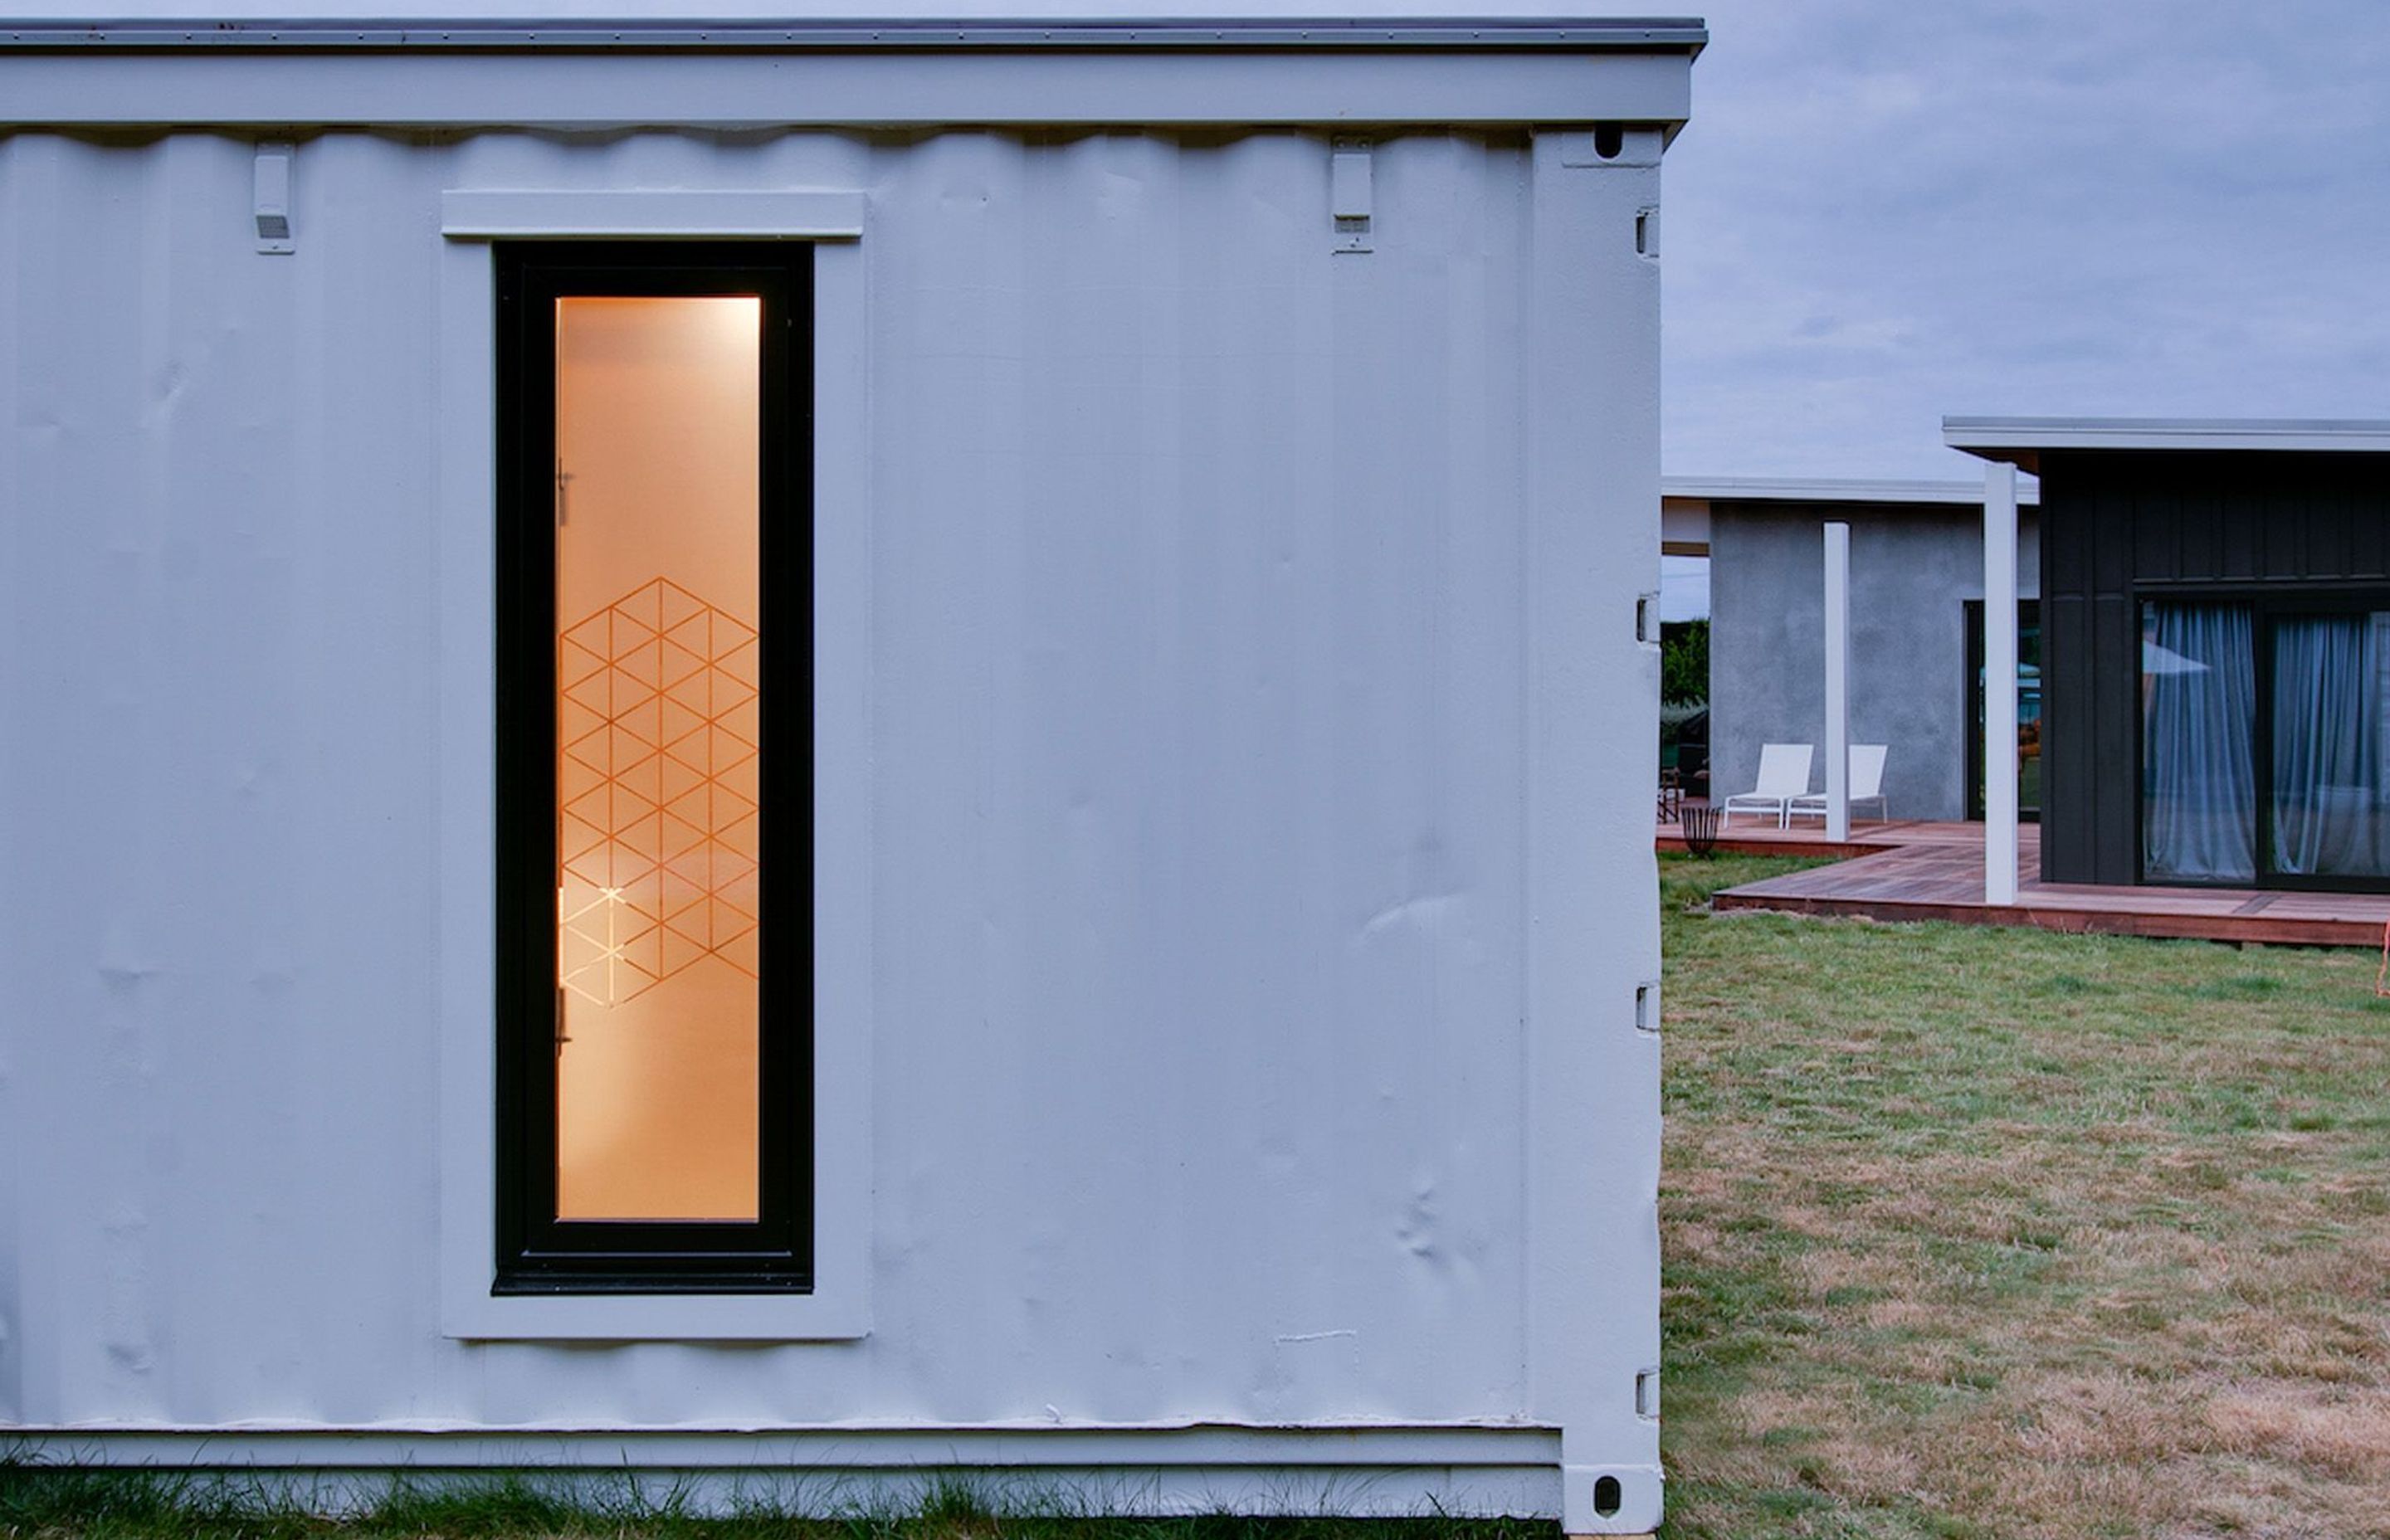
x: 1838, y: 681
x: 1999, y: 684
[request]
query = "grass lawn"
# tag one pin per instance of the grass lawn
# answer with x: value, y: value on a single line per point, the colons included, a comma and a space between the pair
x: 1985, y: 1232
x: 105, y: 1506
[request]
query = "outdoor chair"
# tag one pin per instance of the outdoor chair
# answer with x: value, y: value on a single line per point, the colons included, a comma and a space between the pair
x: 1783, y: 775
x: 1865, y: 785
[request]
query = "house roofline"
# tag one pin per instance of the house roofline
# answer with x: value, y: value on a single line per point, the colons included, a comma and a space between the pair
x: 2022, y: 440
x: 1803, y: 489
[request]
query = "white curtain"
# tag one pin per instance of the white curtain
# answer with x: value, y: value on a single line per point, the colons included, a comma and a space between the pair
x: 2199, y: 787
x: 2328, y: 714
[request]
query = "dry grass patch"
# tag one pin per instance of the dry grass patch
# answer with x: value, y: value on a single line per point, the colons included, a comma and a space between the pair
x: 1984, y: 1232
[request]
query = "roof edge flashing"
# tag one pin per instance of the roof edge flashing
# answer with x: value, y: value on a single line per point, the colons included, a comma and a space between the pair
x: 1642, y: 34
x: 2022, y: 441
x: 1162, y: 76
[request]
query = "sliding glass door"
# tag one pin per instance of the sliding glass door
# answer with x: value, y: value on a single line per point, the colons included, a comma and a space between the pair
x: 2263, y: 759
x: 2198, y: 711
x: 2327, y: 806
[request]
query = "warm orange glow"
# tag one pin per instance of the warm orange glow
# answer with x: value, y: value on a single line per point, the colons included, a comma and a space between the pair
x: 658, y: 409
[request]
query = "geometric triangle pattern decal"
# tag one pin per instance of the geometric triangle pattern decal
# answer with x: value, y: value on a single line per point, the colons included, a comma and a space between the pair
x: 656, y: 793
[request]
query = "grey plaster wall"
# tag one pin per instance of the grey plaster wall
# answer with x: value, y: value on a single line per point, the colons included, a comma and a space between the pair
x: 1913, y: 567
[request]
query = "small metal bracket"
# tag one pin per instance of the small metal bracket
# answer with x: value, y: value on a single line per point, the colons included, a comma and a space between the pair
x: 1646, y: 1395
x: 271, y: 185
x: 1350, y: 195
x: 1647, y: 233
x: 1647, y: 619
x: 1647, y: 1009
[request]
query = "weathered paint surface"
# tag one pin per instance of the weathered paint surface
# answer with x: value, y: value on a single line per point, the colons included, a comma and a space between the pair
x: 1256, y: 913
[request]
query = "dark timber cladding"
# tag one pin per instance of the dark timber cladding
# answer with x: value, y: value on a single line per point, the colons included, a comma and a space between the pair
x: 2119, y: 528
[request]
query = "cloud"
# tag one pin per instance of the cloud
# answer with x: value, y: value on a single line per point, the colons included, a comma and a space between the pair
x: 1883, y: 213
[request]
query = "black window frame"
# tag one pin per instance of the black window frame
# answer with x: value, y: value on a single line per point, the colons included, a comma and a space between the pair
x: 538, y: 1253
x: 2268, y: 604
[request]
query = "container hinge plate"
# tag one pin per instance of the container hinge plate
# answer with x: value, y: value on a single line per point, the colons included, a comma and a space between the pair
x: 1350, y: 195
x: 270, y: 185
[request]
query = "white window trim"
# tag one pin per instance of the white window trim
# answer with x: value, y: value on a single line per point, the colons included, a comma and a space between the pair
x: 839, y: 1308
x: 615, y: 214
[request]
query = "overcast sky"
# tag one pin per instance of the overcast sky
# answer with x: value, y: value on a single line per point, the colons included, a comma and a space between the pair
x: 1885, y: 211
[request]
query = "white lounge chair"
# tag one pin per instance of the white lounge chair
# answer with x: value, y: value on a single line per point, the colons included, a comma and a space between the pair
x: 1783, y: 775
x: 1866, y: 785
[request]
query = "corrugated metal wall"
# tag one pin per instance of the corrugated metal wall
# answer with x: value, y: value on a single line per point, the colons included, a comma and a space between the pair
x: 1197, y: 651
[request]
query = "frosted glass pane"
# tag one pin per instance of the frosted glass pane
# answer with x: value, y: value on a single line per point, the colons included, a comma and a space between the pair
x: 657, y: 584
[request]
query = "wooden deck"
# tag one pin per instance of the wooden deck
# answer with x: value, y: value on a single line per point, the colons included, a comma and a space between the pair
x: 1749, y: 836
x: 1935, y: 871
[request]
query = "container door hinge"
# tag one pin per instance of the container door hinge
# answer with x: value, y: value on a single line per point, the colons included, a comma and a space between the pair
x: 271, y: 186
x: 1646, y: 1395
x: 1647, y: 1009
x: 1647, y: 619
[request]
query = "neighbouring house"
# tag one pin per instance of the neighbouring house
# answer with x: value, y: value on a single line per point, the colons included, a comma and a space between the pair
x: 1916, y: 604
x: 2216, y: 647
x: 836, y: 751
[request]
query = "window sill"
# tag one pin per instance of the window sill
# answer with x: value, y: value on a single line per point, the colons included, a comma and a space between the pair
x: 544, y: 1285
x: 619, y: 1317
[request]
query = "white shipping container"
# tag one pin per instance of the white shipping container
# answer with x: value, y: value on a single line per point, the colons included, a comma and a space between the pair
x: 1226, y: 987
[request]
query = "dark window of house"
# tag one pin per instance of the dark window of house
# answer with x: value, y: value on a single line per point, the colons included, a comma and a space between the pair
x: 2028, y: 700
x: 2329, y: 778
x: 2264, y: 720
x: 2199, y: 714
x: 654, y: 1111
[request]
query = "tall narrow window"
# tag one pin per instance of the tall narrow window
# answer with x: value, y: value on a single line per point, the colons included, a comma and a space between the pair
x: 654, y: 1113
x: 2028, y: 700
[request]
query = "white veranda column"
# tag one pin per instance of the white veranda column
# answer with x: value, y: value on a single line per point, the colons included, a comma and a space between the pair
x: 1838, y: 681
x: 1999, y: 684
